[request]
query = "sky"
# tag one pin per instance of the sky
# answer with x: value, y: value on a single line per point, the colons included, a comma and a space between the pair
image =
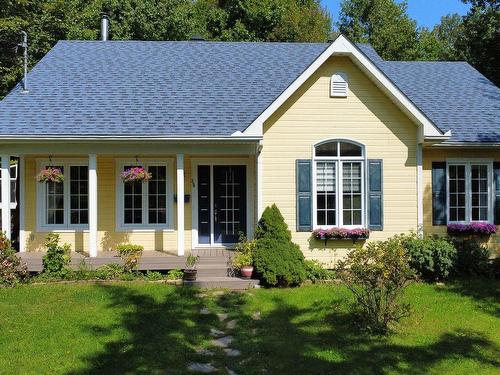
x: 426, y: 12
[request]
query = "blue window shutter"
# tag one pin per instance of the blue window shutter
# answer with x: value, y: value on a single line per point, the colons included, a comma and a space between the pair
x: 496, y: 187
x: 439, y: 216
x: 375, y: 195
x: 303, y: 189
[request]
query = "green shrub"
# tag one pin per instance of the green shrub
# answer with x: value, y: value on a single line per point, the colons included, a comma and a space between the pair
x: 153, y: 276
x: 12, y: 269
x: 277, y: 260
x: 57, y: 259
x: 472, y: 257
x: 377, y: 275
x: 316, y: 272
x: 174, y: 275
x: 433, y: 258
x: 130, y: 255
x: 242, y: 259
x: 109, y: 272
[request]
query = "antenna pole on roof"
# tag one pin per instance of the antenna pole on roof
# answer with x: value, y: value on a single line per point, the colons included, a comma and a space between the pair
x: 24, y: 45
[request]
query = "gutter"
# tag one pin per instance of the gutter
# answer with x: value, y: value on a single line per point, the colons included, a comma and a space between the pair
x: 148, y: 138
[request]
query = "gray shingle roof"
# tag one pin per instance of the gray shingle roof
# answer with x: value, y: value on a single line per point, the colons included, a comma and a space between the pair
x: 212, y: 89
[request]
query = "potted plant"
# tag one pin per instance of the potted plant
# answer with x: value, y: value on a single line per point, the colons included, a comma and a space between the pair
x: 135, y: 174
x: 50, y: 174
x: 244, y: 262
x: 190, y: 270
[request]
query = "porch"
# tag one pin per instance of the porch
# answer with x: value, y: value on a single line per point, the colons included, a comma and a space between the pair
x: 94, y: 211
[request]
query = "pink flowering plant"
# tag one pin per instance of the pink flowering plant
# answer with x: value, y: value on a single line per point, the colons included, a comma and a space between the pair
x: 50, y: 174
x: 336, y: 233
x: 135, y: 174
x: 477, y: 228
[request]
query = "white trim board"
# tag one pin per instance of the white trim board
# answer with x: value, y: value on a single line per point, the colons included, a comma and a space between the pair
x: 344, y: 47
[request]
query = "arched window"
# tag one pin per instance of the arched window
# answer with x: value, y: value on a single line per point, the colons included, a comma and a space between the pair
x: 339, y: 167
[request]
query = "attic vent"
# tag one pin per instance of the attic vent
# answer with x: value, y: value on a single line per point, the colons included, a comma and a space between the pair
x: 339, y: 85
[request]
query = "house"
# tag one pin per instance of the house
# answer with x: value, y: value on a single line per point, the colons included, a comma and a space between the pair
x: 329, y: 132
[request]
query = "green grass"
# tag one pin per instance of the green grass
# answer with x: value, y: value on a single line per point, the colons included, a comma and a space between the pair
x: 155, y: 329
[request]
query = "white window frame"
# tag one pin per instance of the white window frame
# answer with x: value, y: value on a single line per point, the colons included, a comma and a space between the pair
x: 121, y: 226
x: 338, y: 171
x: 42, y: 224
x: 468, y: 188
x: 14, y: 170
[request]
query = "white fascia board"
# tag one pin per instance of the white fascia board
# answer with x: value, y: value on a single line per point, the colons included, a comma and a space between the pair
x: 342, y: 46
x: 85, y: 138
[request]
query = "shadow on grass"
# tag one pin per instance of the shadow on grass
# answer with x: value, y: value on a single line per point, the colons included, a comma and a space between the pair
x: 161, y: 336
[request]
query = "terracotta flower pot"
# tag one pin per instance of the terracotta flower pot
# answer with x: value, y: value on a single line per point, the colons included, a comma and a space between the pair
x: 190, y: 275
x: 246, y: 271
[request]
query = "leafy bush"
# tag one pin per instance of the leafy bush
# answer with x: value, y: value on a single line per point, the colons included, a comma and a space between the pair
x: 57, y: 259
x: 432, y: 257
x: 316, y: 272
x: 472, y: 257
x: 191, y: 261
x: 12, y: 270
x: 109, y: 272
x: 277, y: 260
x: 174, y: 275
x: 153, y: 276
x: 242, y: 259
x: 377, y: 275
x: 130, y: 254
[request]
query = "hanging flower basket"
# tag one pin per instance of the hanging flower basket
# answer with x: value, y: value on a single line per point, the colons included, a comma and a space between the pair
x: 336, y: 233
x: 135, y: 174
x: 50, y: 174
x: 481, y: 229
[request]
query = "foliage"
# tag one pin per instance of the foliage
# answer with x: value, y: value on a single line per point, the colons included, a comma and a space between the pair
x: 244, y: 250
x: 130, y: 255
x: 191, y: 261
x: 135, y: 174
x: 57, y: 258
x: 472, y: 257
x: 316, y: 272
x: 377, y: 275
x: 12, y: 269
x: 50, y: 174
x: 433, y: 258
x: 47, y: 21
x: 277, y: 260
x: 153, y: 276
x: 174, y: 275
x: 242, y: 260
x: 111, y: 271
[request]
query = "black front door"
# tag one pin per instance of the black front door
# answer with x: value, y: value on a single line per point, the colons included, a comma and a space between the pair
x: 229, y: 211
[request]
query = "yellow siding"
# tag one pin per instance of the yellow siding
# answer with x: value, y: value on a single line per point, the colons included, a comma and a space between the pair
x: 440, y: 155
x: 366, y: 116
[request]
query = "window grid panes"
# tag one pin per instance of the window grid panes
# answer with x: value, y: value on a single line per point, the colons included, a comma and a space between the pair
x: 157, y: 195
x: 326, y: 193
x: 132, y: 201
x: 479, y: 192
x: 351, y: 193
x: 457, y: 192
x: 79, y: 198
x: 54, y: 198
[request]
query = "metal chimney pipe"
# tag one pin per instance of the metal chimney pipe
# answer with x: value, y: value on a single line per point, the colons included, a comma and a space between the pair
x: 24, y: 45
x: 104, y: 27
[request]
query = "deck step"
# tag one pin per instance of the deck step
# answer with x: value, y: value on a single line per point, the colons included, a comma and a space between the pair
x: 232, y: 283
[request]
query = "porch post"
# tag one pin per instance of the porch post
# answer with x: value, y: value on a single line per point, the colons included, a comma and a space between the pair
x: 6, y: 228
x: 180, y: 204
x: 92, y: 205
x: 21, y: 205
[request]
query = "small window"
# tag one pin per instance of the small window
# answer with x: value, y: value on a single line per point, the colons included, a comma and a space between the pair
x: 339, y: 85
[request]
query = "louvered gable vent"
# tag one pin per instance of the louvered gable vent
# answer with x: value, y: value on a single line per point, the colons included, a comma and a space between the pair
x: 338, y: 86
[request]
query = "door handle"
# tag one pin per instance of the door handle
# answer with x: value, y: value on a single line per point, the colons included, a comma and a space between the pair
x: 215, y: 215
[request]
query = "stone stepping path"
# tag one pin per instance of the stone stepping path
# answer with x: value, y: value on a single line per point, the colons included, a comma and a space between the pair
x: 204, y: 368
x: 216, y: 333
x: 222, y: 342
x: 232, y: 352
x: 231, y: 324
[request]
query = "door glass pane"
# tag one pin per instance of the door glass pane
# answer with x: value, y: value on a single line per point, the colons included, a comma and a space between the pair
x: 326, y: 193
x: 132, y: 201
x: 54, y: 198
x: 79, y: 194
x: 457, y: 192
x: 351, y: 193
x: 479, y: 190
x: 157, y: 194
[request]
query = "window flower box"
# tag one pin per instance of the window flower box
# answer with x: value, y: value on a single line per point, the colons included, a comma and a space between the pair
x: 336, y: 233
x: 478, y: 228
x: 135, y: 174
x: 50, y: 174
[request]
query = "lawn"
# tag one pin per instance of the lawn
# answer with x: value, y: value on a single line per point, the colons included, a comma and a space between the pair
x: 142, y: 328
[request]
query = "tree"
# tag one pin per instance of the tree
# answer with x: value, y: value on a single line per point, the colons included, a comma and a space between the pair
x: 382, y: 23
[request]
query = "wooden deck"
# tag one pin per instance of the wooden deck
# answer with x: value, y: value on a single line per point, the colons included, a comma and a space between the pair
x: 150, y: 260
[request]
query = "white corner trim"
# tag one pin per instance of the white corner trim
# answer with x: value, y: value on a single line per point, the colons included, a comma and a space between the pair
x: 22, y: 208
x: 6, y: 220
x: 343, y: 46
x: 180, y: 204
x: 420, y: 191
